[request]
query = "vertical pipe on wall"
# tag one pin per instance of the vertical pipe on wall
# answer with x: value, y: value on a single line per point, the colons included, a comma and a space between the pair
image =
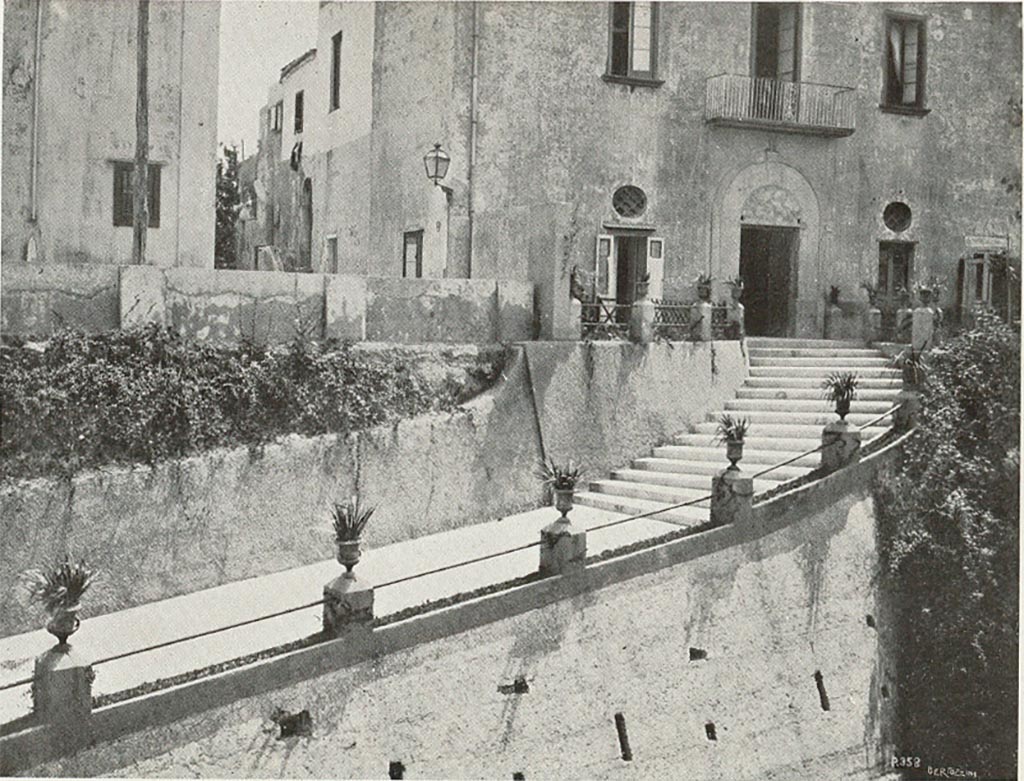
x: 470, y: 172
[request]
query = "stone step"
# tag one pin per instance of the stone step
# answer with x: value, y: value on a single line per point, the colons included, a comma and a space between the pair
x: 813, y: 352
x: 756, y: 451
x: 805, y: 405
x: 651, y: 491
x: 700, y: 482
x: 819, y: 417
x: 889, y: 382
x: 681, y: 516
x: 774, y: 341
x: 810, y: 431
x: 716, y: 462
x: 863, y: 394
x: 854, y: 364
x: 822, y: 372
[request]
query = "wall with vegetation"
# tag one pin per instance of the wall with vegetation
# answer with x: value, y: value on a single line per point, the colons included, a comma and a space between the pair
x: 190, y: 523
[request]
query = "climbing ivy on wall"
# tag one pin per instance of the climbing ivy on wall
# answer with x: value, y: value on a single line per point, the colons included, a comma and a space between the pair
x: 147, y: 394
x: 949, y: 527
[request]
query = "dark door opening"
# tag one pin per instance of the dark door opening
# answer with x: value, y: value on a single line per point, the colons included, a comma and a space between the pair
x: 768, y: 268
x: 630, y: 266
x: 775, y: 59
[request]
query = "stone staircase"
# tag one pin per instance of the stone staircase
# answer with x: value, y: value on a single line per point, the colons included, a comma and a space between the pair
x: 782, y: 398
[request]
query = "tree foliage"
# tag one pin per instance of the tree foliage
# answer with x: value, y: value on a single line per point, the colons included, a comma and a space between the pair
x: 228, y: 199
x: 949, y: 522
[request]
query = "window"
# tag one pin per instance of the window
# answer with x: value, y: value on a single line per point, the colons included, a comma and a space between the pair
x: 124, y: 206
x: 412, y: 254
x: 632, y: 41
x: 629, y: 201
x: 895, y: 264
x: 277, y: 116
x: 775, y: 53
x: 332, y: 254
x: 336, y: 71
x: 299, y: 100
x: 904, y: 63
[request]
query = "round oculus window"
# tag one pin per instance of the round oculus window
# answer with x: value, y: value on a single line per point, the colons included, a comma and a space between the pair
x: 897, y: 216
x: 629, y: 201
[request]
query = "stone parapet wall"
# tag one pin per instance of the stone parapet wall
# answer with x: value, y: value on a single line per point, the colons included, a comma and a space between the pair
x: 265, y: 307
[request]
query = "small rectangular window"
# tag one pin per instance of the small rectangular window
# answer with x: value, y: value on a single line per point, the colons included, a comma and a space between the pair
x: 412, y: 254
x: 632, y: 38
x: 336, y: 71
x: 299, y: 100
x: 124, y: 196
x: 332, y: 254
x: 904, y: 62
x: 277, y: 116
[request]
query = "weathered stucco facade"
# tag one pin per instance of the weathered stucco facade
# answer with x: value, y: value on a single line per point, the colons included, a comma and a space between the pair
x: 555, y: 136
x: 69, y: 118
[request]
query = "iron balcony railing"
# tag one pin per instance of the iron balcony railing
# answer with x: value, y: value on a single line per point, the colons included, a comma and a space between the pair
x: 673, y: 320
x: 796, y: 106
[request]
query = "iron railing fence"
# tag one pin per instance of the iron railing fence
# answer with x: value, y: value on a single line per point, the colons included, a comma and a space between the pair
x: 800, y: 105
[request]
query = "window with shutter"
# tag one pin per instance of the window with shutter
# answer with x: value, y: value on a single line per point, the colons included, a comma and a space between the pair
x: 124, y: 204
x: 632, y: 42
x: 904, y: 62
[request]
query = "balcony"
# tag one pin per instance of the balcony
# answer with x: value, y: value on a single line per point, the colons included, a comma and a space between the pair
x: 786, y: 106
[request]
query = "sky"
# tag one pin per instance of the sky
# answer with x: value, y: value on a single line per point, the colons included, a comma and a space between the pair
x: 257, y: 38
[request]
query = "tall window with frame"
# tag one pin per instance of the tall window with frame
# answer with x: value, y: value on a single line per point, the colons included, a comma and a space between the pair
x: 299, y: 110
x: 336, y: 71
x: 124, y: 196
x: 632, y: 40
x: 277, y: 116
x: 412, y: 254
x: 904, y: 62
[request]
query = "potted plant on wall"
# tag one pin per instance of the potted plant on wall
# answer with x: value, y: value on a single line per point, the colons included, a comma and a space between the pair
x: 732, y: 432
x: 59, y: 591
x: 735, y: 288
x: 562, y: 479
x: 841, y: 389
x: 703, y: 284
x: 350, y: 518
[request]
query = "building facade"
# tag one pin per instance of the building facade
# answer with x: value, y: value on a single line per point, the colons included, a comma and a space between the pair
x: 805, y: 148
x: 69, y: 131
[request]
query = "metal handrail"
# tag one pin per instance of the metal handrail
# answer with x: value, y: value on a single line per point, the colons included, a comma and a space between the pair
x: 839, y: 87
x: 447, y: 567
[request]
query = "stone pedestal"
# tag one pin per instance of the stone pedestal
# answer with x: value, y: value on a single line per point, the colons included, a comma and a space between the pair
x: 732, y: 495
x: 641, y: 321
x: 840, y: 445
x: 736, y: 317
x: 910, y: 404
x: 62, y: 686
x: 348, y: 603
x: 833, y: 321
x: 922, y: 329
x: 873, y: 325
x: 704, y: 314
x: 904, y: 317
x: 563, y: 548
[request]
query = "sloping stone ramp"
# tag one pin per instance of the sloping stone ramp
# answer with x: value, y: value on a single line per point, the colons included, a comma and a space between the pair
x: 782, y: 399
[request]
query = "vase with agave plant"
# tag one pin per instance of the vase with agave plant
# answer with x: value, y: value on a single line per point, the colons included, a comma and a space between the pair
x: 732, y: 432
x: 562, y: 479
x: 349, y: 519
x: 59, y: 590
x: 841, y: 388
x: 735, y: 288
x: 704, y: 286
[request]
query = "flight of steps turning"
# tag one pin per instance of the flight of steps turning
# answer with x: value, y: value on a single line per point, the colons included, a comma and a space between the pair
x: 782, y: 398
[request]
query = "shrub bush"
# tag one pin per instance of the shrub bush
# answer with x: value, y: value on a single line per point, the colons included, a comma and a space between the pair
x: 147, y: 394
x: 949, y: 525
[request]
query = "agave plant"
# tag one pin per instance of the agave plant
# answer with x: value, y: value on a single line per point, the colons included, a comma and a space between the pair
x: 61, y: 587
x: 561, y: 477
x: 731, y: 430
x: 350, y: 518
x: 735, y: 287
x: 841, y: 388
x: 872, y: 290
x: 833, y: 295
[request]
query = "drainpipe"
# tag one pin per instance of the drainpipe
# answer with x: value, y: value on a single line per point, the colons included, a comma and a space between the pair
x: 472, y: 136
x: 37, y: 62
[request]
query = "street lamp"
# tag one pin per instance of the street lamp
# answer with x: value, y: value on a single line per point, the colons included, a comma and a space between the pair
x: 436, y: 162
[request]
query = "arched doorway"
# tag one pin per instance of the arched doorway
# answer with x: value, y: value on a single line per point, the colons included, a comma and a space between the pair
x: 765, y: 229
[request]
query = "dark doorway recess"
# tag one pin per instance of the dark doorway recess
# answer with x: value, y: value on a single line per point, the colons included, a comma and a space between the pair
x: 768, y: 268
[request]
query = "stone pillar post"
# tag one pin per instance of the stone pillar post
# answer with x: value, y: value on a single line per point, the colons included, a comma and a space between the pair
x: 922, y: 329
x: 641, y: 321
x: 732, y: 495
x: 840, y: 445
x: 62, y: 686
x: 737, y: 320
x: 704, y: 312
x: 348, y: 605
x: 563, y: 548
x: 873, y: 325
x: 910, y: 405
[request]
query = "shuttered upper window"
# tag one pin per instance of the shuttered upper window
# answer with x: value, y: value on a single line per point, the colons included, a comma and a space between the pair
x: 904, y: 62
x: 124, y: 205
x: 632, y: 42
